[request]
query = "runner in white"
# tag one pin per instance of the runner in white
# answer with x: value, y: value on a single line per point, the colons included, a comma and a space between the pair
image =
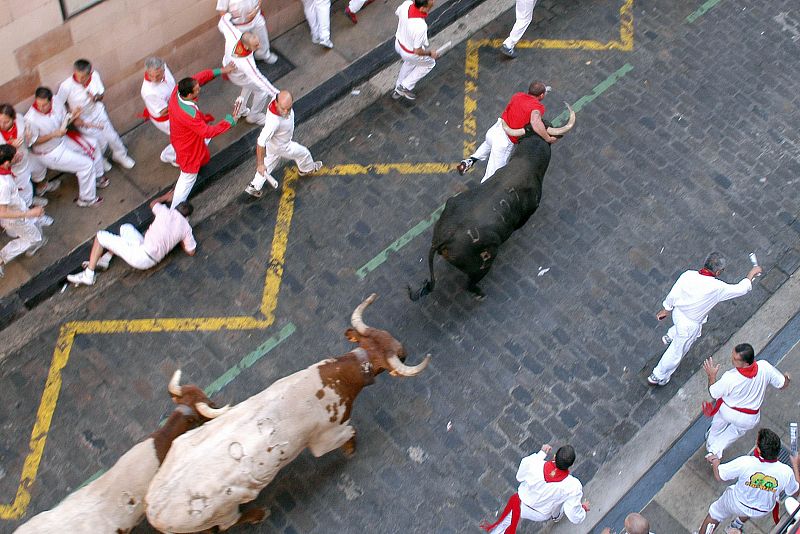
x: 246, y: 15
x: 761, y: 482
x: 318, y: 15
x: 739, y: 394
x: 84, y: 90
x: 239, y: 49
x: 411, y: 41
x: 157, y: 87
x: 353, y: 7
x: 524, y: 13
x: 275, y: 143
x: 57, y: 149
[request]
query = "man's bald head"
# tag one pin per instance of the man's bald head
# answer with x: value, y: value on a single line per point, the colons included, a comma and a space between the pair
x: 285, y: 99
x: 636, y: 524
x: 250, y: 41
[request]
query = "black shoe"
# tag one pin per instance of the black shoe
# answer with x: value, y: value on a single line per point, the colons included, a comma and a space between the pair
x: 508, y: 52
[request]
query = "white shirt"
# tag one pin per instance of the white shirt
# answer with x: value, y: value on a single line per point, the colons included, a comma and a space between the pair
x: 40, y: 124
x: 412, y: 33
x: 694, y: 295
x: 246, y: 72
x: 238, y: 9
x: 547, y: 497
x: 167, y: 230
x: 760, y: 484
x: 9, y: 196
x: 156, y: 95
x: 277, y: 130
x: 73, y: 95
x: 21, y: 167
x: 738, y: 391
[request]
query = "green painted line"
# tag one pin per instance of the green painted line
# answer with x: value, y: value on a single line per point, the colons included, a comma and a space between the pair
x: 248, y: 361
x: 423, y: 225
x: 702, y: 10
x: 402, y: 241
x: 229, y: 375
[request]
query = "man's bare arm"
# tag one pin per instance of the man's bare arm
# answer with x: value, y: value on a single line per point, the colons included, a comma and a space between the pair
x: 539, y: 127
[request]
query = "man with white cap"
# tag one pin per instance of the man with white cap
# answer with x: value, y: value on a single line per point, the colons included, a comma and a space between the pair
x: 157, y: 87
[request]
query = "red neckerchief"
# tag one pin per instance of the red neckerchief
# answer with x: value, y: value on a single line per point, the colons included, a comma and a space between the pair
x: 40, y: 111
x: 5, y: 171
x: 553, y: 473
x: 273, y: 107
x: 750, y: 371
x: 146, y: 77
x: 757, y: 454
x: 10, y: 134
x: 240, y: 51
x: 88, y: 80
x: 415, y: 13
x: 706, y: 272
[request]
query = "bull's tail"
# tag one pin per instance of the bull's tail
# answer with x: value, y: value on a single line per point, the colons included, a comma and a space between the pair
x: 428, y: 286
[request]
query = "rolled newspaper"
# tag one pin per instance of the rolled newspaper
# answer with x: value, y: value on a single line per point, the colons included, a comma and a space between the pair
x: 261, y: 178
x: 238, y: 104
x: 444, y: 48
x: 754, y: 261
x: 66, y: 121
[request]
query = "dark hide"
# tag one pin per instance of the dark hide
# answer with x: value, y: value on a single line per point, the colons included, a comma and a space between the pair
x: 476, y: 222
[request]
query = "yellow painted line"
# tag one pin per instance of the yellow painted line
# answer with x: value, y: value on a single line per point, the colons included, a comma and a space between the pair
x: 471, y: 67
x: 280, y: 238
x: 353, y: 169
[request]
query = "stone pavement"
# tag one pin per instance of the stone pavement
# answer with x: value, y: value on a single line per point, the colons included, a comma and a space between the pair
x: 656, y: 173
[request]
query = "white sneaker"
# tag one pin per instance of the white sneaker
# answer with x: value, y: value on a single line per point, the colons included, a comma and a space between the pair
x: 44, y: 220
x: 253, y: 192
x: 317, y: 167
x: 315, y: 39
x: 256, y: 118
x: 271, y: 59
x: 48, y: 187
x: 666, y: 340
x: 88, y: 203
x: 327, y: 43
x: 85, y: 278
x: 35, y: 248
x: 653, y: 380
x: 39, y: 201
x: 106, y: 165
x: 126, y: 162
x: 168, y: 161
x: 102, y: 182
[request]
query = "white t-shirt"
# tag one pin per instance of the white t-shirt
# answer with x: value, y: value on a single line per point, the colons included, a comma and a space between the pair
x: 738, y: 391
x: 411, y: 32
x: 238, y: 9
x: 694, y: 295
x: 9, y: 196
x: 246, y: 72
x: 74, y: 95
x: 547, y: 497
x: 156, y: 95
x: 41, y: 124
x: 277, y: 130
x: 167, y: 230
x: 760, y: 484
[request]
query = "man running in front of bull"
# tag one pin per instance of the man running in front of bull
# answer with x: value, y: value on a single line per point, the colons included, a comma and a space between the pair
x: 522, y: 109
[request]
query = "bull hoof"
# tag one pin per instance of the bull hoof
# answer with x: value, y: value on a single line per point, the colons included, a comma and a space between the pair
x: 421, y: 292
x: 252, y: 517
x: 349, y: 447
x: 477, y: 293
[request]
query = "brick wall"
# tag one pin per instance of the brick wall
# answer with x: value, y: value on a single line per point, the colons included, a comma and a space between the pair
x: 116, y: 36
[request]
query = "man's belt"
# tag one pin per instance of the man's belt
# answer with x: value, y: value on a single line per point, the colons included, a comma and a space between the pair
x: 711, y: 409
x: 403, y: 47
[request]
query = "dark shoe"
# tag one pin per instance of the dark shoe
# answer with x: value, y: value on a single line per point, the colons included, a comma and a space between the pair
x: 508, y: 52
x: 465, y: 165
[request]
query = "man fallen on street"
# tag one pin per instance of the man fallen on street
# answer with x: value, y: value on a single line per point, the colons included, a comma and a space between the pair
x: 690, y: 300
x: 546, y: 492
x: 170, y: 227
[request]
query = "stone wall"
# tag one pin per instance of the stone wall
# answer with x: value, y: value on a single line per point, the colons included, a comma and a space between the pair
x: 116, y: 36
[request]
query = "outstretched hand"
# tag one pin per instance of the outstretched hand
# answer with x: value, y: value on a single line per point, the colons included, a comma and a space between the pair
x: 710, y: 368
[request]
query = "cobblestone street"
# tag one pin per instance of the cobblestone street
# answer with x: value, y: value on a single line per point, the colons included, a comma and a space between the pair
x: 684, y: 144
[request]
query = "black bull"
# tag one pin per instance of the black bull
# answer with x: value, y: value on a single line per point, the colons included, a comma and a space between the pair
x: 476, y: 222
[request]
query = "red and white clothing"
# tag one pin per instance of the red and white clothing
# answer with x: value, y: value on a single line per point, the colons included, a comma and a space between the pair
x: 156, y: 99
x: 524, y: 13
x: 739, y: 393
x: 276, y: 138
x: 76, y: 155
x: 498, y: 146
x: 26, y: 169
x: 412, y: 33
x: 692, y: 297
x: 24, y: 232
x: 188, y: 133
x: 144, y: 251
x: 759, y: 486
x: 239, y: 9
x: 544, y: 493
x: 318, y: 15
x: 247, y: 76
x: 75, y: 95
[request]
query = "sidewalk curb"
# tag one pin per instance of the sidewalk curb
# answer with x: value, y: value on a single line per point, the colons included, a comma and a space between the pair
x: 47, y: 282
x: 617, y: 477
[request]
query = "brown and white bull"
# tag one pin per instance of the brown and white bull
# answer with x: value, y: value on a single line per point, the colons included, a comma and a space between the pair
x: 114, y: 502
x: 210, y: 471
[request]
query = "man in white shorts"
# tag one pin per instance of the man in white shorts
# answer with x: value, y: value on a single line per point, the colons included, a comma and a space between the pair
x: 761, y: 481
x: 142, y: 252
x: 157, y: 87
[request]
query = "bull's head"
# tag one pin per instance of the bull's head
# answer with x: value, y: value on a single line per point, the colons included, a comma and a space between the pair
x: 193, y: 397
x: 383, y: 350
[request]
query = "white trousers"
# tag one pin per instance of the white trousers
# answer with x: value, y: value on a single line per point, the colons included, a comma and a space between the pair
x: 68, y: 157
x: 24, y: 234
x: 355, y: 5
x: 318, y: 15
x: 728, y: 506
x: 275, y: 153
x: 258, y: 26
x: 106, y: 136
x: 183, y: 187
x: 128, y: 245
x: 497, y: 148
x: 683, y: 333
x: 168, y: 154
x: 526, y: 512
x: 524, y: 11
x: 414, y: 67
x: 727, y: 426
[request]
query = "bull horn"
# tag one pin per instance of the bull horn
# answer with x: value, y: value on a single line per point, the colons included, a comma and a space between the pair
x: 512, y: 132
x: 402, y: 369
x: 567, y: 127
x: 174, y: 386
x: 208, y: 412
x: 356, y: 320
